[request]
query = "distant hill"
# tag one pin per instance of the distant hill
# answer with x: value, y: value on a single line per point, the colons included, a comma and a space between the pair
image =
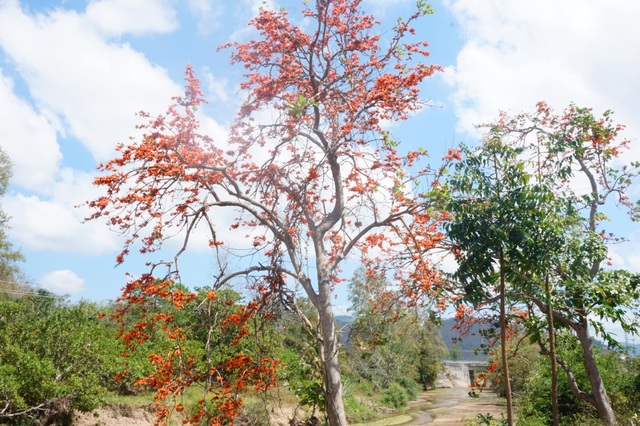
x: 469, y: 346
x: 471, y: 343
x: 343, y: 319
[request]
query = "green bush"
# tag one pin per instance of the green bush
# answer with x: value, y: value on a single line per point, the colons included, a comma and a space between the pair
x: 411, y: 386
x: 619, y: 377
x: 53, y: 358
x: 395, y: 396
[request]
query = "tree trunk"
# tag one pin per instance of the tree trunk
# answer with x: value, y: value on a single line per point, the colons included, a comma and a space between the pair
x: 554, y: 362
x: 503, y: 343
x: 330, y: 357
x: 602, y: 403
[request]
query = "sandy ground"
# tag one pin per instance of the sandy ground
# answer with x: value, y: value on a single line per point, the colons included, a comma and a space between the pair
x: 115, y: 416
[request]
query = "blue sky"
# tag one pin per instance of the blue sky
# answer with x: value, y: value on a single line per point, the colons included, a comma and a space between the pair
x: 73, y: 73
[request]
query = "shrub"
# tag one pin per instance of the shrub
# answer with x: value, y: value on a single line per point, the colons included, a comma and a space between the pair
x: 395, y: 396
x: 411, y: 386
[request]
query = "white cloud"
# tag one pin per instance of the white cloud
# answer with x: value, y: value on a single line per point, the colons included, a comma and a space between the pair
x: 219, y: 89
x: 83, y: 87
x: 51, y: 225
x: 207, y: 13
x: 29, y: 139
x: 54, y: 223
x: 93, y: 87
x: 519, y: 52
x: 62, y: 281
x: 117, y: 17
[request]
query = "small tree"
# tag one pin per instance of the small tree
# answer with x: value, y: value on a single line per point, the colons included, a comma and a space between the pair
x: 566, y: 151
x: 319, y: 182
x: 387, y: 340
x: 492, y: 205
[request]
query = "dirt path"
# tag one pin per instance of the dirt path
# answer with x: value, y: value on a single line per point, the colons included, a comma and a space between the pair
x: 445, y: 407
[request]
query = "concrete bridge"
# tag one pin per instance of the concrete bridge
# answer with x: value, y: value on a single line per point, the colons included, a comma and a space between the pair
x: 460, y: 374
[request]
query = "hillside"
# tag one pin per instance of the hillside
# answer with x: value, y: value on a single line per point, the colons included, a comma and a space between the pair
x: 469, y: 346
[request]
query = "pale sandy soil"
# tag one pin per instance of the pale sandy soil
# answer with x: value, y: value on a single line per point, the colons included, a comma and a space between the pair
x: 115, y: 416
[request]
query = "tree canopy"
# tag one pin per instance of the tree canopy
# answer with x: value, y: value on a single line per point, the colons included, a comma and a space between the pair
x: 321, y: 181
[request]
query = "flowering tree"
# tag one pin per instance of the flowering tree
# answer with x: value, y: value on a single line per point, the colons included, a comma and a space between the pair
x: 320, y: 182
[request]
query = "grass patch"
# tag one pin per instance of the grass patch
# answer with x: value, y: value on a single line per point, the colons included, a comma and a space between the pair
x: 138, y: 400
x: 357, y: 411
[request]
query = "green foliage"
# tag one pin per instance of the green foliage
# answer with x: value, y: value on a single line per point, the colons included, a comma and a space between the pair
x: 54, y: 356
x: 388, y: 341
x: 488, y: 420
x: 620, y: 375
x: 517, y: 215
x: 498, y: 207
x: 396, y: 396
x: 535, y: 401
x: 411, y: 386
x: 357, y: 412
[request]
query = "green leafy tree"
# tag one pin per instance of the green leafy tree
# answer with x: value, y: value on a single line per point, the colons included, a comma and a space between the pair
x: 55, y: 358
x: 388, y: 341
x: 572, y: 149
x: 540, y: 234
x: 491, y: 209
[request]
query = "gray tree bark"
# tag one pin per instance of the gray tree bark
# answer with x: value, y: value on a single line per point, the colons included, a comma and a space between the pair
x: 601, y: 399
